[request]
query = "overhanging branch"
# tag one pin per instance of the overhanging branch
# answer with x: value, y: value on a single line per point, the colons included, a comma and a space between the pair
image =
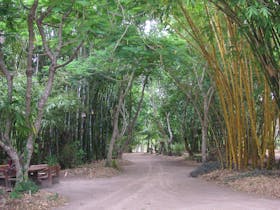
x: 73, y: 56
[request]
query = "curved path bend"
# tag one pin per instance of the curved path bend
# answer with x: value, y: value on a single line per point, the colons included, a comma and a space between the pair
x: 154, y: 182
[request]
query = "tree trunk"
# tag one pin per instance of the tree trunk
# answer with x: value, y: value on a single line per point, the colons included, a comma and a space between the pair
x: 187, y: 147
x: 204, y: 143
x: 204, y: 124
x: 113, y: 138
x: 131, y: 124
x: 77, y: 115
x: 117, y: 111
x: 170, y: 140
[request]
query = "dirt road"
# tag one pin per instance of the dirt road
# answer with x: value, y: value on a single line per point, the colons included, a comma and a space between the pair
x: 156, y: 183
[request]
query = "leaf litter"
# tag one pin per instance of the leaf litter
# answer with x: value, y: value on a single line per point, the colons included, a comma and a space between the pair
x: 261, y: 182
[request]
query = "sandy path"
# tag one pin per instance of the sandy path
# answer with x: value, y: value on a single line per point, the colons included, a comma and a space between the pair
x: 156, y: 183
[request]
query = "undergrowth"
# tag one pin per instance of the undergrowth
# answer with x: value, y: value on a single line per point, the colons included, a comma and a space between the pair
x: 24, y: 187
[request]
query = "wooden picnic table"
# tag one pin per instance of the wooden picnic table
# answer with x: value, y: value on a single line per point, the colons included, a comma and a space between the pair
x: 38, y: 173
x: 4, y: 173
x: 44, y: 172
x: 3, y: 167
x: 35, y: 168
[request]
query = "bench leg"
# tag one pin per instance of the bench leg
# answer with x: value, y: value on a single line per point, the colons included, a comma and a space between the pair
x: 6, y: 180
x: 49, y: 178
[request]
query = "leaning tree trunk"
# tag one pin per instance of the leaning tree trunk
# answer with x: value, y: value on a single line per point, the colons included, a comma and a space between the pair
x: 132, y: 123
x: 117, y: 111
x: 114, y: 135
x: 170, y: 140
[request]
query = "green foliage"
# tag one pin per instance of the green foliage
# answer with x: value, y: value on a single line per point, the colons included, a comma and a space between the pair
x: 71, y: 155
x: 178, y: 149
x: 51, y: 160
x: 24, y: 187
x: 15, y: 111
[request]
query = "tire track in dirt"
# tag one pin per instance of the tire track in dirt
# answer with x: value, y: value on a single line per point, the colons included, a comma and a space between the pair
x: 156, y: 183
x: 131, y: 189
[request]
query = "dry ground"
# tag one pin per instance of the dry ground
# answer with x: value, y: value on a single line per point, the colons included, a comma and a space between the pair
x: 153, y: 182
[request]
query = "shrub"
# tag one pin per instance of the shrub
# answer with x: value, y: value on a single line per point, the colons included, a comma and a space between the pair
x: 24, y: 187
x: 178, y: 149
x: 71, y: 155
x: 51, y: 160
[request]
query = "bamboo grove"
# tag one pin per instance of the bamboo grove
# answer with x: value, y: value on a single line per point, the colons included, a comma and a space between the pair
x: 250, y: 118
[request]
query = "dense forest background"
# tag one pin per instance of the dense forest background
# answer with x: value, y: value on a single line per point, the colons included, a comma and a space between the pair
x: 87, y: 80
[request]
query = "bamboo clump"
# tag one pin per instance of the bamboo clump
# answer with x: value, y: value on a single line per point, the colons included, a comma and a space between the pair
x: 248, y: 107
